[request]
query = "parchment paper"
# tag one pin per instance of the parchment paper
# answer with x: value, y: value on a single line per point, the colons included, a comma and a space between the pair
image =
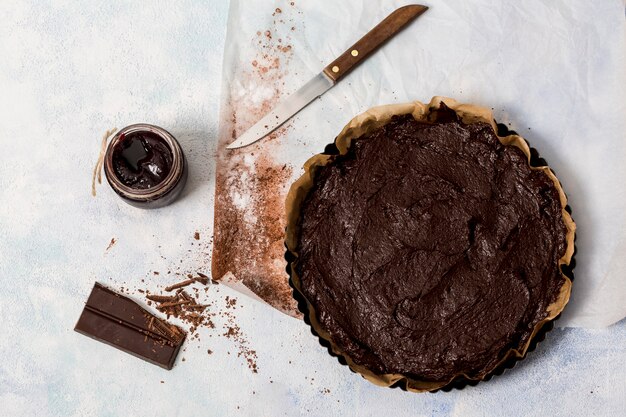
x: 553, y: 71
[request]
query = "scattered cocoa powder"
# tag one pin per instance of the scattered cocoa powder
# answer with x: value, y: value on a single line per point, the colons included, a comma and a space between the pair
x: 230, y: 302
x: 233, y: 332
x: 251, y: 186
x: 183, y: 306
x: 182, y: 300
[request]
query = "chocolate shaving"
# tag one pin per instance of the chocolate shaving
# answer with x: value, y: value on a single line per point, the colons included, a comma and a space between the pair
x: 169, y: 332
x: 160, y: 298
x: 173, y: 304
x: 196, y: 306
x: 180, y: 284
x: 184, y: 295
x: 203, y: 279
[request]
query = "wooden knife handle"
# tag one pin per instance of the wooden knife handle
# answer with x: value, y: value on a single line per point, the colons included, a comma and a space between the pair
x: 373, y: 40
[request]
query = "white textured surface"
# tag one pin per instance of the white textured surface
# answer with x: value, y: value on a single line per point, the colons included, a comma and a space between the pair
x: 70, y: 71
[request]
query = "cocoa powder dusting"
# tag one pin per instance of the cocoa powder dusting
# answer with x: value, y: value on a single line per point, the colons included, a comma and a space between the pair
x: 251, y: 185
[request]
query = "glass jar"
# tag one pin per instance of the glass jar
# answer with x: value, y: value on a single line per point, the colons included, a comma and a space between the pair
x: 145, y: 166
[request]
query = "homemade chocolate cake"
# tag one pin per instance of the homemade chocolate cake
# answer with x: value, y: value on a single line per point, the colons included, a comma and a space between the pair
x: 428, y: 247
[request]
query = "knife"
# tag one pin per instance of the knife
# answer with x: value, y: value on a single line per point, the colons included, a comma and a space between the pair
x: 330, y: 75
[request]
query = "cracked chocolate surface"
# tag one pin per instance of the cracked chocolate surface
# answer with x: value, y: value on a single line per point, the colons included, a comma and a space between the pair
x: 430, y: 249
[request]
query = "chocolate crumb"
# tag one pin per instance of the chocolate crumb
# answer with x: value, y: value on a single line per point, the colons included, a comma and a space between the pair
x: 111, y: 243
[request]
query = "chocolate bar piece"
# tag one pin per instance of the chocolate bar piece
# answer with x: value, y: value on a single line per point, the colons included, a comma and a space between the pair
x: 120, y: 322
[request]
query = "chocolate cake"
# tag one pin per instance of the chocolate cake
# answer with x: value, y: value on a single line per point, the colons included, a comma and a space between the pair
x: 428, y: 247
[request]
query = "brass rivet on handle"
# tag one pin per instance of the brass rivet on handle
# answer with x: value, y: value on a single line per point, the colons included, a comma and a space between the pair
x: 354, y: 52
x: 335, y: 68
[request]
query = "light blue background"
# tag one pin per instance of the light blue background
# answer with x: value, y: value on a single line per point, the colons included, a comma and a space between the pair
x: 68, y: 72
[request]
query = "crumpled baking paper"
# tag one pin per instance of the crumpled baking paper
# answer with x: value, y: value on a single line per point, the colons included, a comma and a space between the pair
x: 552, y: 71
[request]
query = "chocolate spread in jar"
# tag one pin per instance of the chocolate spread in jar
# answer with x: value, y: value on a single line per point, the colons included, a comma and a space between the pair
x: 142, y: 160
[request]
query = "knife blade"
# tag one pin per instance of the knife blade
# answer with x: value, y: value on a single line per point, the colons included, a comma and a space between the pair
x: 330, y: 75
